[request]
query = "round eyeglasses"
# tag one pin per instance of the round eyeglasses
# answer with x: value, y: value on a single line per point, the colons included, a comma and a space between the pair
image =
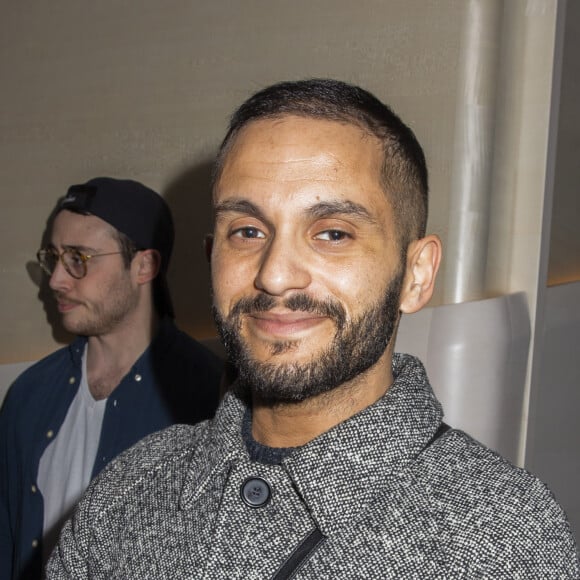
x: 74, y: 261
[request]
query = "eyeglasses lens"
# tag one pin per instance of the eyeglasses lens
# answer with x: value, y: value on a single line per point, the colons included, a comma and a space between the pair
x: 47, y: 260
x: 73, y: 263
x: 71, y: 260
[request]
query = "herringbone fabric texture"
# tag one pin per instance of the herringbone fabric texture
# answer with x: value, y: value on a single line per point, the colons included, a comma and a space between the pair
x: 389, y: 504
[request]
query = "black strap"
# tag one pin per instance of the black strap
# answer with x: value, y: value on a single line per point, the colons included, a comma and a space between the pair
x: 303, y: 551
x: 443, y: 428
x: 315, y: 538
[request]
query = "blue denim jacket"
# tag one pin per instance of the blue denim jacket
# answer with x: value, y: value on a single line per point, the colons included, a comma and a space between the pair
x: 176, y: 380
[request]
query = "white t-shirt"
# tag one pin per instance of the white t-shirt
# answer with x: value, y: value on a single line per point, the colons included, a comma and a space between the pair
x: 65, y: 468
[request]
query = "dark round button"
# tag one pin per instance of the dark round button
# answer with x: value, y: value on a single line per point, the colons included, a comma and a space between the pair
x: 255, y: 492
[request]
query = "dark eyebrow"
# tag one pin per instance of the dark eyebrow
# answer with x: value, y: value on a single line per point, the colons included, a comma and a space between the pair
x: 238, y: 206
x: 82, y: 249
x: 243, y: 207
x: 326, y: 209
x: 321, y: 210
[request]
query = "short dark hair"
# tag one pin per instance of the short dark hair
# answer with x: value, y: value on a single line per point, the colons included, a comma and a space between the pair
x: 162, y: 301
x: 127, y: 247
x: 404, y: 172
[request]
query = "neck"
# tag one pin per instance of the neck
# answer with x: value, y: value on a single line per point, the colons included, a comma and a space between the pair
x: 295, y: 424
x: 110, y: 356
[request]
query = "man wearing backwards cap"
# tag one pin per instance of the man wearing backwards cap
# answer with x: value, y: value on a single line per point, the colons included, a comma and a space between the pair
x: 129, y: 373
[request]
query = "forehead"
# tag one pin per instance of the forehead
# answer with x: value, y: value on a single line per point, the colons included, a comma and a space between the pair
x: 73, y: 229
x: 293, y: 151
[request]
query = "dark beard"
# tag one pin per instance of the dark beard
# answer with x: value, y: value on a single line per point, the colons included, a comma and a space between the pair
x: 357, y: 346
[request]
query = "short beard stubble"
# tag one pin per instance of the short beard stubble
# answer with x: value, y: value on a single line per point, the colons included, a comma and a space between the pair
x: 105, y: 315
x: 357, y: 345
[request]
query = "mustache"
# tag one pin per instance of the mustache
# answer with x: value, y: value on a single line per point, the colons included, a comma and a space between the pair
x: 60, y: 296
x: 297, y: 302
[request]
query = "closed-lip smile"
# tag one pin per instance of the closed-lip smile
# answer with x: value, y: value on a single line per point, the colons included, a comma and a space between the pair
x: 285, y: 324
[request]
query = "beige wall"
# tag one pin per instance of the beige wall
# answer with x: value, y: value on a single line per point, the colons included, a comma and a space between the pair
x: 553, y: 429
x: 564, y: 262
x: 143, y: 90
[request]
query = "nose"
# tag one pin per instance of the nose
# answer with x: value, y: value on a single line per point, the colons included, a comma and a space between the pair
x: 283, y: 268
x: 60, y: 280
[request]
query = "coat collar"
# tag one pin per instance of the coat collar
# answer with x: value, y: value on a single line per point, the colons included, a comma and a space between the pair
x: 342, y: 470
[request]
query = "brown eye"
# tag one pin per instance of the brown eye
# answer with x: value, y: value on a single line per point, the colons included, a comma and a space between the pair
x: 332, y: 235
x: 76, y: 259
x: 249, y: 232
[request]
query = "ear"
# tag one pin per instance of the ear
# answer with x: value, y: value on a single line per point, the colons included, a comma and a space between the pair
x: 208, y: 246
x: 148, y: 264
x: 423, y: 259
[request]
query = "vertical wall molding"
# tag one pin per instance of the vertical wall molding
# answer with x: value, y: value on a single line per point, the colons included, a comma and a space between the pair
x: 473, y: 152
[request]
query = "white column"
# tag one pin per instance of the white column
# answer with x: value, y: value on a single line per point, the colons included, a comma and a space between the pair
x: 474, y: 134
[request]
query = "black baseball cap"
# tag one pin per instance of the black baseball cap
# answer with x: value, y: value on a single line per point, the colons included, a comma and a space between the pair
x: 130, y: 207
x: 136, y: 211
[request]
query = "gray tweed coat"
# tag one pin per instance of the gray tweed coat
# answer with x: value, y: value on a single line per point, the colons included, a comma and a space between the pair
x: 375, y: 497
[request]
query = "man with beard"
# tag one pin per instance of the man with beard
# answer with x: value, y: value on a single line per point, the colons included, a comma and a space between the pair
x: 330, y: 458
x: 129, y: 373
